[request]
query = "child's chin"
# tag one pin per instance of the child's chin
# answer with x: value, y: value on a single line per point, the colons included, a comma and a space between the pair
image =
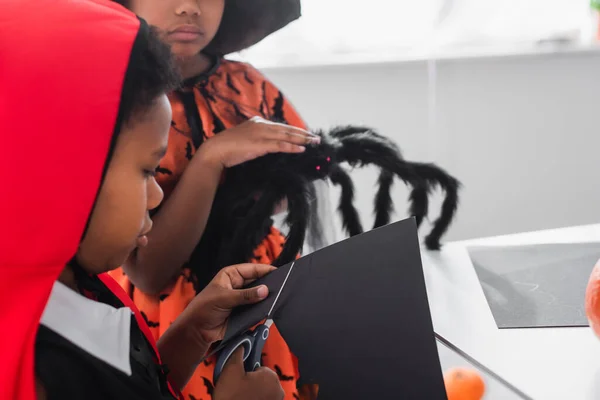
x: 186, y: 50
x: 132, y: 257
x: 133, y: 254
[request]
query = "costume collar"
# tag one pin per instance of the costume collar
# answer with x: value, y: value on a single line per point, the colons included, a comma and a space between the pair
x: 99, y: 329
x: 216, y: 62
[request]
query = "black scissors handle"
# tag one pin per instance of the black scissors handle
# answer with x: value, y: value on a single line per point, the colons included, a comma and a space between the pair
x: 260, y: 333
x: 244, y: 340
x: 253, y: 344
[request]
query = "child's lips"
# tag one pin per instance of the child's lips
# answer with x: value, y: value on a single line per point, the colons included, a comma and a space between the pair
x: 186, y: 33
x: 142, y: 241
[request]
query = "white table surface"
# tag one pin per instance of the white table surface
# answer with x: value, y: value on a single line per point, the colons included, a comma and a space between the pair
x: 548, y: 363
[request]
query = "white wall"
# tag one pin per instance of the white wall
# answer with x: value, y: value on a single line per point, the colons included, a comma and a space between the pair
x: 521, y: 133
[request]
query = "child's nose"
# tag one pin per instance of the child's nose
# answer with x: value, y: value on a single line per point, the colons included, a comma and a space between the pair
x: 155, y: 195
x: 188, y: 7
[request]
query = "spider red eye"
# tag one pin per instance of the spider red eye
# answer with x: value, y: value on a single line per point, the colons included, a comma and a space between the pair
x: 318, y: 167
x: 328, y: 159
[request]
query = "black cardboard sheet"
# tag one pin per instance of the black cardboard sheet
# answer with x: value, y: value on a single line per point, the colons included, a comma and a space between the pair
x: 536, y: 286
x: 357, y: 317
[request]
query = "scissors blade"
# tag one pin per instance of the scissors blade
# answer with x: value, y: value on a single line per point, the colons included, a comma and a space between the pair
x: 269, y: 315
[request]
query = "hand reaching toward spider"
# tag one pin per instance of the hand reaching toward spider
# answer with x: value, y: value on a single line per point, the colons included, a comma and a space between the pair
x: 255, y: 138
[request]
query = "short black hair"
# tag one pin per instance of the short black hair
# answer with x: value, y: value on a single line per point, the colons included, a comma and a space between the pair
x: 151, y: 72
x: 124, y: 3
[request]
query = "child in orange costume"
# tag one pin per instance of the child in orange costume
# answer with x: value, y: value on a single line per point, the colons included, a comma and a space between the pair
x: 214, y: 126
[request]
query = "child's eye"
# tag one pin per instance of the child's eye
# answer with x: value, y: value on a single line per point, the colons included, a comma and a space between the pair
x: 149, y: 173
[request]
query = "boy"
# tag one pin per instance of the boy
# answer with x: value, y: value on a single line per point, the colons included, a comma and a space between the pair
x: 80, y: 169
x: 214, y: 126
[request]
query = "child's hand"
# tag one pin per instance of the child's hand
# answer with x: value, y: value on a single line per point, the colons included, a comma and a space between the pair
x: 207, y: 314
x: 204, y: 321
x: 252, y: 139
x: 235, y: 383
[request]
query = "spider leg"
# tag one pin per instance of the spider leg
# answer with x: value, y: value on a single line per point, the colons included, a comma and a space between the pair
x: 384, y: 205
x: 315, y: 236
x: 299, y: 208
x: 249, y: 230
x: 343, y: 131
x: 350, y: 217
x: 419, y: 200
x: 241, y: 245
x: 226, y: 212
x: 434, y: 175
x: 352, y: 135
x: 362, y: 146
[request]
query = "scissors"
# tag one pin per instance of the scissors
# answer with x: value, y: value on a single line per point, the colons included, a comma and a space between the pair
x: 252, y: 341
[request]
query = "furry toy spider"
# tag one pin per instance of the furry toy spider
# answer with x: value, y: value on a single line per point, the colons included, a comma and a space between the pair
x: 240, y: 219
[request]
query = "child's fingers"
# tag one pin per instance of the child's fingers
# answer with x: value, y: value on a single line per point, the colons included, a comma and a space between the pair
x: 282, y: 126
x: 276, y: 131
x: 267, y: 380
x: 235, y: 364
x: 243, y: 274
x: 292, y: 132
x: 293, y: 129
x: 230, y: 299
x: 289, y: 136
x: 278, y: 146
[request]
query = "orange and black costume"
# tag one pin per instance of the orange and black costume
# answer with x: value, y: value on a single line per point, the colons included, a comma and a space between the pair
x: 223, y: 97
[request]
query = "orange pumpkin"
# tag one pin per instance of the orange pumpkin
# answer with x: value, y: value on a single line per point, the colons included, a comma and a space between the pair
x: 464, y: 384
x: 592, y: 299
